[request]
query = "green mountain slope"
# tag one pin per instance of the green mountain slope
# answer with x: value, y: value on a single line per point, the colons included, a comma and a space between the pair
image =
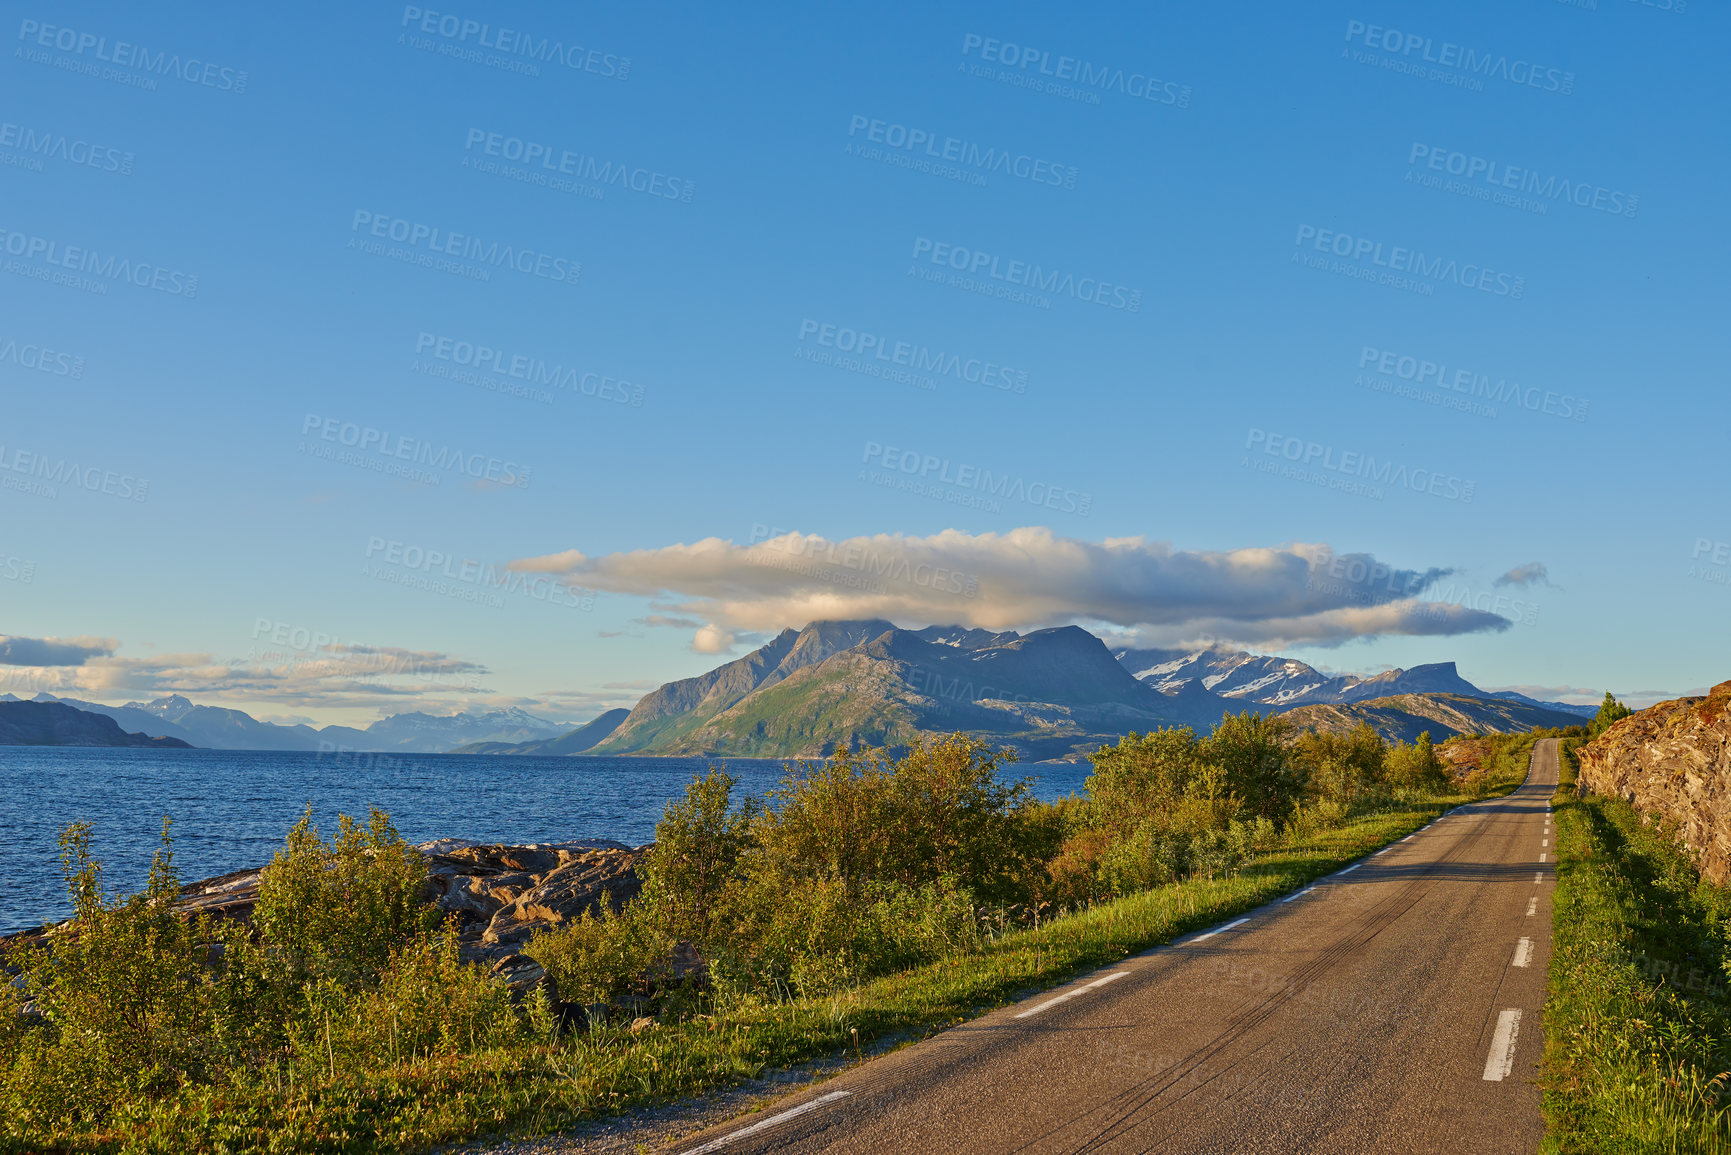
x: 1402, y: 716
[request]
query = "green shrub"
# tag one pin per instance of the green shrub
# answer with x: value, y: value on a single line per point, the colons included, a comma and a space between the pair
x: 1346, y: 769
x: 593, y: 959
x: 693, y: 869
x: 1251, y: 750
x: 1416, y: 767
x: 137, y: 1006
x: 123, y: 1009
x: 341, y: 909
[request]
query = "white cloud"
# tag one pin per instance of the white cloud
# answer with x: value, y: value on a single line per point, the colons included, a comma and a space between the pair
x: 1028, y: 578
x: 711, y: 639
x: 1533, y: 573
x: 327, y: 677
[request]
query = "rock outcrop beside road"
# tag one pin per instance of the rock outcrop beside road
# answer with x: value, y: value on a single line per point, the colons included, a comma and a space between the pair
x: 1673, y: 761
x: 498, y: 894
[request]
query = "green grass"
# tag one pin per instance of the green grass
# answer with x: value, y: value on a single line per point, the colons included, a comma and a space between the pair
x: 1637, y: 1020
x: 530, y: 1089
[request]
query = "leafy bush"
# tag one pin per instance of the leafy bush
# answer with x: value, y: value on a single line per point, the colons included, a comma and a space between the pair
x: 340, y: 910
x: 595, y: 959
x: 1251, y: 751
x: 1345, y: 769
x: 1416, y: 767
x: 694, y: 865
x: 122, y: 1008
x: 133, y: 1005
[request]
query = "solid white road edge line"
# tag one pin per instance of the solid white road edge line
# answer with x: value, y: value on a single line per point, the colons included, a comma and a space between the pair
x: 1524, y: 952
x: 766, y: 1124
x: 1500, y: 1063
x: 1219, y: 930
x: 1068, y: 995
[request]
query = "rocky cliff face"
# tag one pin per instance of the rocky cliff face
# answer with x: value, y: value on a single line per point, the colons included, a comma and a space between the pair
x: 1674, y: 761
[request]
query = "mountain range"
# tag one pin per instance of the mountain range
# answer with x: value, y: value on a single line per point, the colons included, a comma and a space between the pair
x: 57, y: 724
x: 221, y: 728
x: 1053, y: 693
x: 1277, y: 681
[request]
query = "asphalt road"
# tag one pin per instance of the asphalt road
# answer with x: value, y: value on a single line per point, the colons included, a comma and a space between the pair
x: 1392, y: 1007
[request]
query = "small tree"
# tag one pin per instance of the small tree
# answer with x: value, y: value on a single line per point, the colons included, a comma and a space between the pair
x: 1610, y: 713
x: 339, y: 909
x: 1416, y: 766
x: 695, y: 862
x: 1251, y: 751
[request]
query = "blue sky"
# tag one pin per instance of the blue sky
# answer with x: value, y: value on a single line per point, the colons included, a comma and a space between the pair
x: 695, y: 402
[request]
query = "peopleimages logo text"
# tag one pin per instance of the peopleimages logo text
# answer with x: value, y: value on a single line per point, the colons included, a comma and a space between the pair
x: 1414, y: 261
x: 59, y: 146
x: 920, y: 358
x: 971, y: 154
x: 534, y: 371
x: 1436, y: 375
x: 1058, y: 282
x: 971, y: 477
x: 85, y: 260
x: 1072, y: 70
x: 1482, y: 170
x: 123, y: 54
x: 366, y: 439
x: 578, y: 165
x: 514, y: 42
x: 1447, y: 54
x: 443, y: 242
x: 1363, y: 466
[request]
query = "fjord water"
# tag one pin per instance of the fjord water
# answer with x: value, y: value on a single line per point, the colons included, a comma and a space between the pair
x: 231, y: 808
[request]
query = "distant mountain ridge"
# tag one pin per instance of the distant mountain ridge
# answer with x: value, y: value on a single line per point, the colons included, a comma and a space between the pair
x: 57, y: 724
x: 1287, y: 682
x: 1050, y: 693
x: 1401, y: 717
x: 575, y: 742
x: 222, y: 728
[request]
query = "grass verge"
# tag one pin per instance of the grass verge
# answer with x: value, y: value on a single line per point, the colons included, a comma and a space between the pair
x: 1637, y: 1019
x: 539, y: 1089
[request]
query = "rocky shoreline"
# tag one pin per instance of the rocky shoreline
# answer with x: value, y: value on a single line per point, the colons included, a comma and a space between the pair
x: 497, y: 894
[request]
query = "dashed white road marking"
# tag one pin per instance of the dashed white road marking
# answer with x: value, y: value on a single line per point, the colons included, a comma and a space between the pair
x: 1532, y: 906
x: 1299, y: 895
x: 1544, y: 842
x: 1068, y: 995
x: 1219, y: 930
x: 1349, y: 869
x: 1541, y: 856
x: 766, y: 1124
x: 1538, y: 876
x: 1500, y: 1063
x: 1524, y: 953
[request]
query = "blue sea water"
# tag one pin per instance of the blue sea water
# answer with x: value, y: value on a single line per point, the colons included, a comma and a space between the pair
x: 231, y: 808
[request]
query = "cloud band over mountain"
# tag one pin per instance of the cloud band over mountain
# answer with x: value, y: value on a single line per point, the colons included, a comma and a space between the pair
x: 1293, y: 594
